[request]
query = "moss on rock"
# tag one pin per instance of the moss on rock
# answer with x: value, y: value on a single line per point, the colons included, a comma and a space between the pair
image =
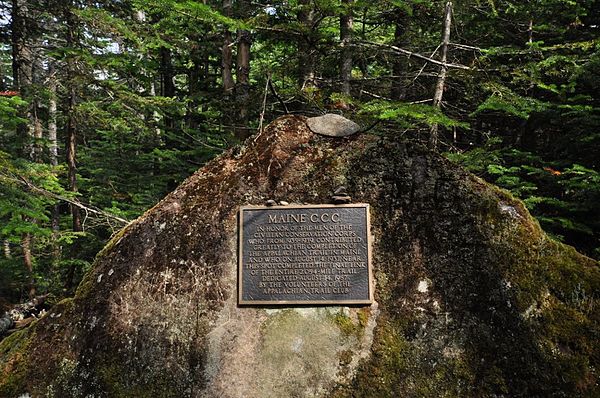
x: 14, y: 369
x: 472, y: 298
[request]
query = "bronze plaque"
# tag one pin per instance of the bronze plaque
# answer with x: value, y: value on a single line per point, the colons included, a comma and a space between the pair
x: 305, y: 254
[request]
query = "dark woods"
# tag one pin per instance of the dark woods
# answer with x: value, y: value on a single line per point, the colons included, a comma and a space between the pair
x: 107, y: 106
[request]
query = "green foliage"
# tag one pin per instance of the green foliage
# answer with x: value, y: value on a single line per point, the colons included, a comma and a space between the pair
x: 563, y: 198
x: 406, y: 115
x: 504, y: 100
x: 149, y: 106
x: 194, y: 10
x: 19, y: 210
x: 9, y: 118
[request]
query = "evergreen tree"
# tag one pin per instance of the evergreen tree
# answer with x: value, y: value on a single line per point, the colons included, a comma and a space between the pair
x: 107, y: 106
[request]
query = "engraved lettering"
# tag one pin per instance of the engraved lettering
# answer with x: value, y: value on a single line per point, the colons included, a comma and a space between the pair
x: 305, y: 254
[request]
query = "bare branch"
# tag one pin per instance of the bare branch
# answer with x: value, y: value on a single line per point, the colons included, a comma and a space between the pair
x: 464, y: 46
x: 282, y: 102
x: 375, y: 95
x: 413, y: 54
x: 48, y: 194
x: 424, y: 65
x: 264, y: 106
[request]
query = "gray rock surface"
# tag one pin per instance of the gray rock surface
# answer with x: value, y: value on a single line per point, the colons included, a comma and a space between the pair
x: 332, y: 125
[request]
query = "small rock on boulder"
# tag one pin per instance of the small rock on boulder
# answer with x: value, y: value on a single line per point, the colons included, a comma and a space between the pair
x: 332, y: 125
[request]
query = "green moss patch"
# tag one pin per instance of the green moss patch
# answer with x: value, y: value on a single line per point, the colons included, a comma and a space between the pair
x: 13, y: 364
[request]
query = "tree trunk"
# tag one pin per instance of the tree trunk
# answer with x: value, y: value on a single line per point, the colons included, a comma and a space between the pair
x: 7, y: 251
x: 226, y: 70
x: 71, y: 126
x: 37, y: 131
x: 71, y: 154
x: 439, y: 87
x: 28, y: 260
x: 71, y: 137
x: 22, y: 69
x: 227, y: 54
x: 37, y: 82
x: 140, y: 17
x: 21, y: 53
x: 400, y: 64
x: 166, y: 68
x: 52, y: 129
x: 242, y: 88
x: 306, y: 50
x: 346, y: 28
x: 196, y: 75
x: 53, y: 151
x: 3, y: 77
x: 167, y: 85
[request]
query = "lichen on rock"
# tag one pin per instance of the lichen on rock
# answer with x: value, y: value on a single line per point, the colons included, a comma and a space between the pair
x: 472, y: 298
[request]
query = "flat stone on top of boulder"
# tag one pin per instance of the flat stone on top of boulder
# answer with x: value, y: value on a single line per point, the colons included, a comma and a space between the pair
x: 332, y: 125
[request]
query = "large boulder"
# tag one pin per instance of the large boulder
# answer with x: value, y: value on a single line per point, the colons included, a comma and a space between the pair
x: 471, y: 297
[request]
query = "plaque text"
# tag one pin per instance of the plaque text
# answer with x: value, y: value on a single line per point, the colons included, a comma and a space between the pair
x: 305, y: 254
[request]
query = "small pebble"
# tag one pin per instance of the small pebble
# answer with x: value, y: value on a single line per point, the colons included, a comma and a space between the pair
x: 338, y: 199
x: 340, y: 191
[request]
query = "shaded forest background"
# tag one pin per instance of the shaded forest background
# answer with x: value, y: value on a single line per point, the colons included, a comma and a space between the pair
x: 106, y: 106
